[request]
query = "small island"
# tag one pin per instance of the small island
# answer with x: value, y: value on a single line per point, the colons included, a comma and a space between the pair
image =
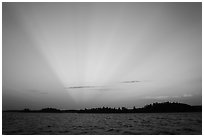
x: 164, y: 107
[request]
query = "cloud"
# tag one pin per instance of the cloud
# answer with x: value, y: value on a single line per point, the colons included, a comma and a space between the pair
x: 176, y: 96
x: 90, y: 87
x: 165, y: 97
x: 80, y: 87
x: 187, y: 95
x: 133, y: 81
x: 156, y: 97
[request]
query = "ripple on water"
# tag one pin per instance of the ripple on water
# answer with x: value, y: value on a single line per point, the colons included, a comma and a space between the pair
x: 102, y: 123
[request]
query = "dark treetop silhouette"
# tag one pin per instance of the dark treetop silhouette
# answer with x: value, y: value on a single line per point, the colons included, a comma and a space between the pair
x: 151, y: 108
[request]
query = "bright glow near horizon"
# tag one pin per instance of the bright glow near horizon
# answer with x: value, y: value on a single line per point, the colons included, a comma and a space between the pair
x: 75, y: 55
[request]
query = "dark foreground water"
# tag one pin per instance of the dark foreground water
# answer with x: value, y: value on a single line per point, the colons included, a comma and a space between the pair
x: 70, y: 123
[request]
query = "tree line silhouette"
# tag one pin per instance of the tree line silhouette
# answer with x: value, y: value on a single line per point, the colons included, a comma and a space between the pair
x: 151, y: 108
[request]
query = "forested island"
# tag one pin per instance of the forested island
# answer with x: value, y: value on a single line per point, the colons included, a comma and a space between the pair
x: 151, y: 108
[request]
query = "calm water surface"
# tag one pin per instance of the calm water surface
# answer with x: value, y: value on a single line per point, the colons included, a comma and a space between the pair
x: 99, y: 124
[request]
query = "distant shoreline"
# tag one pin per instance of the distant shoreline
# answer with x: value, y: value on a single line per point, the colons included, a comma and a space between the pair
x: 165, y: 107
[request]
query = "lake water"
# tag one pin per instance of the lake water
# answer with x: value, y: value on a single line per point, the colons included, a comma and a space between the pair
x: 99, y: 124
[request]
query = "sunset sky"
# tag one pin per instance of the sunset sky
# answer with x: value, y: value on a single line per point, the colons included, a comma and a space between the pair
x: 77, y: 55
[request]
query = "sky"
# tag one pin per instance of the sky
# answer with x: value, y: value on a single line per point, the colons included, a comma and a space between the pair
x: 77, y: 55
